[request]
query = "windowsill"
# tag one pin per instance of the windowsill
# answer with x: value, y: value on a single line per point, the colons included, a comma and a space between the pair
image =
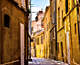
x: 6, y: 28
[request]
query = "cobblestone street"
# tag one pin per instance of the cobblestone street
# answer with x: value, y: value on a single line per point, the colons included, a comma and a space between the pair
x: 42, y: 61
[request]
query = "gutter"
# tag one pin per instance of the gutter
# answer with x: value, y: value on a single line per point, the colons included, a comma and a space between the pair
x: 56, y: 27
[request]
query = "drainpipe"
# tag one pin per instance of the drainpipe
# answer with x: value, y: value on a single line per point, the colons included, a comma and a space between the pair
x: 78, y: 24
x: 56, y: 28
x: 71, y: 50
x: 30, y: 29
x: 26, y: 37
x: 1, y: 45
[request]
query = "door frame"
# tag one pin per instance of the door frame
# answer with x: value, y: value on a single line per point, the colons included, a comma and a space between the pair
x: 68, y: 46
x: 22, y: 43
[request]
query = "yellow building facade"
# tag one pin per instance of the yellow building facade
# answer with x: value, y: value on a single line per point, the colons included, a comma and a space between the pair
x: 68, y: 31
x: 61, y: 44
x: 53, y: 30
x: 46, y: 21
x: 32, y: 49
x: 40, y: 45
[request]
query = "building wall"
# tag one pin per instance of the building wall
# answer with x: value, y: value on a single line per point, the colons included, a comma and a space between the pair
x: 70, y: 20
x: 0, y: 31
x: 44, y: 40
x: 61, y: 52
x: 46, y: 21
x: 52, y: 29
x: 37, y: 29
x: 75, y: 36
x: 10, y: 40
x: 40, y: 17
x: 61, y: 38
x: 32, y: 49
x: 40, y: 46
x: 34, y: 25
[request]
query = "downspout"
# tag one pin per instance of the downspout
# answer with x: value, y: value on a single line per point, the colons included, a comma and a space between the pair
x: 78, y: 24
x: 1, y: 35
x: 56, y: 28
x: 71, y: 40
x: 26, y: 37
x: 30, y: 29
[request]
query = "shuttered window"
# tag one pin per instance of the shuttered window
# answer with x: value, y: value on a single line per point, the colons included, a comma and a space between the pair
x: 37, y: 41
x: 59, y: 18
x: 41, y: 39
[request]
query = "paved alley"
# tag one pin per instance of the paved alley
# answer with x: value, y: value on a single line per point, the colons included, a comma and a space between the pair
x: 42, y: 61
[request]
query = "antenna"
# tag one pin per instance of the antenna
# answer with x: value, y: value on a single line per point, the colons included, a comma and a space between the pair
x: 41, y: 9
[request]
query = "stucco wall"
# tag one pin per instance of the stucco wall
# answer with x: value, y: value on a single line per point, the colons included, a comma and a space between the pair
x: 10, y: 45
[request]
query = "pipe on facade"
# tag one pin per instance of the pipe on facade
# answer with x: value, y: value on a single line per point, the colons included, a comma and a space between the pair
x: 56, y: 28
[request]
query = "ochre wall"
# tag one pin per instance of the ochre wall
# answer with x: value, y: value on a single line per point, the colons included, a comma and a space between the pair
x: 39, y: 47
x: 10, y: 45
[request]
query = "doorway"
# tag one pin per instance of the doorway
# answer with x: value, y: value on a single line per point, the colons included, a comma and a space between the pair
x: 22, y: 42
x: 68, y: 46
x: 62, y: 51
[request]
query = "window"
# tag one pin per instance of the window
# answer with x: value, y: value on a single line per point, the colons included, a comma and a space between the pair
x: 53, y: 33
x: 62, y: 49
x: 60, y: 0
x: 42, y: 24
x: 54, y: 17
x: 75, y: 27
x: 41, y: 39
x: 73, y: 2
x: 79, y: 1
x: 46, y: 20
x: 62, y: 19
x: 58, y: 17
x: 77, y: 10
x: 66, y: 1
x: 6, y: 21
x: 36, y: 18
x: 58, y: 47
x: 49, y: 25
x: 37, y: 41
x: 23, y: 3
x: 44, y: 35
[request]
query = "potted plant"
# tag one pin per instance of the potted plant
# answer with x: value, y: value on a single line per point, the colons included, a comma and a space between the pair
x: 28, y: 10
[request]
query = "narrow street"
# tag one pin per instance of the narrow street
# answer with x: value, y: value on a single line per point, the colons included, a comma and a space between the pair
x: 42, y: 61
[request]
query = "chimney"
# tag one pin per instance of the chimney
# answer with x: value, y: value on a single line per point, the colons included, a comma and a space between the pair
x: 40, y: 11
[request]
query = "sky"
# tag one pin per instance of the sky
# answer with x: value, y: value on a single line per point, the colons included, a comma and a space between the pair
x: 38, y: 5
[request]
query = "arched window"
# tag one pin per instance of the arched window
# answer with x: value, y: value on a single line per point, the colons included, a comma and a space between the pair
x: 6, y: 20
